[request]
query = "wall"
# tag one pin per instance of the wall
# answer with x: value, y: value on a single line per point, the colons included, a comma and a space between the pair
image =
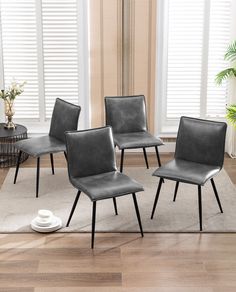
x: 122, y: 52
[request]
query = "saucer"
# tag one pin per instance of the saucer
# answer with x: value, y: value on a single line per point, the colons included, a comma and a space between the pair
x: 43, y: 222
x: 55, y: 224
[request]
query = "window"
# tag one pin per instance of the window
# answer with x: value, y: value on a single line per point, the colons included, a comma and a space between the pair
x: 41, y: 44
x: 60, y: 47
x: 19, y: 44
x: 193, y: 37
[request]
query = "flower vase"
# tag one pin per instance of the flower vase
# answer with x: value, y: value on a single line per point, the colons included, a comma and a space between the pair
x: 9, y: 112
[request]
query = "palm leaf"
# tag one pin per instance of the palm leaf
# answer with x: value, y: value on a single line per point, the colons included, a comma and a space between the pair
x: 231, y: 52
x: 225, y: 74
x: 231, y: 114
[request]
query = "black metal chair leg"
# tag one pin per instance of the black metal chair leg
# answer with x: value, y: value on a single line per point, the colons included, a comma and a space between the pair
x: 52, y: 162
x: 65, y: 155
x: 122, y: 160
x: 216, y: 194
x: 17, y: 166
x: 158, y: 156
x: 145, y: 157
x: 157, y: 196
x: 115, y: 206
x: 93, y: 223
x: 73, y: 208
x: 137, y: 213
x: 176, y: 190
x: 37, y: 177
x: 200, y: 206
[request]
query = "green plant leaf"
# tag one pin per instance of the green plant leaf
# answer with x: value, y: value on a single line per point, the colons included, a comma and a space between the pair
x: 231, y: 52
x: 225, y: 74
x: 231, y: 114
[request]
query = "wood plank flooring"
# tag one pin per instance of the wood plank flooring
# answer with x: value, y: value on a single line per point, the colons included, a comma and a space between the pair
x: 120, y: 262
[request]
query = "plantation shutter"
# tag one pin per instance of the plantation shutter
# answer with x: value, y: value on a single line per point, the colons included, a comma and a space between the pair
x: 218, y: 42
x: 19, y: 45
x: 197, y: 37
x: 185, y: 30
x: 60, y: 50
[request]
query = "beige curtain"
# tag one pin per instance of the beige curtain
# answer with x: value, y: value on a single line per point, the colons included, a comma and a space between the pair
x: 122, y: 53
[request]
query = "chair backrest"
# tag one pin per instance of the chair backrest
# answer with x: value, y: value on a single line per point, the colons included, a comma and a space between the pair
x: 64, y: 118
x: 90, y: 152
x: 126, y: 114
x: 201, y: 141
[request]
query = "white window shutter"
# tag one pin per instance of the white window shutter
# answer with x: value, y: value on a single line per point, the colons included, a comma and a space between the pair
x: 19, y: 46
x: 185, y: 34
x: 60, y: 50
x: 218, y: 43
x: 196, y: 36
x: 44, y: 42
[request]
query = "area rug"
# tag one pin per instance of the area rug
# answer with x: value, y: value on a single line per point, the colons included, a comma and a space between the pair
x: 18, y: 205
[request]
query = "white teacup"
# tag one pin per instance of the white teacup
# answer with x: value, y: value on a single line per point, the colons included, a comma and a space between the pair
x: 44, y: 218
x: 44, y: 213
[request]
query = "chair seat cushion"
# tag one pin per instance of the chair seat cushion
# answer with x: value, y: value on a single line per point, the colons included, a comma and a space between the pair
x: 40, y: 145
x: 187, y: 171
x: 136, y: 140
x: 106, y: 185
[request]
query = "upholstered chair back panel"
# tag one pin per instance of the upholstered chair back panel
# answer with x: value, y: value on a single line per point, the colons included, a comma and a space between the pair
x: 126, y: 114
x: 90, y: 152
x: 201, y: 141
x: 64, y: 118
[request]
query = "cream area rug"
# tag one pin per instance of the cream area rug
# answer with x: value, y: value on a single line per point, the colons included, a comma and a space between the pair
x: 18, y: 205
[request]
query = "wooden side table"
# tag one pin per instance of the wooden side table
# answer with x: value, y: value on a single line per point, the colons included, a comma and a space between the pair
x: 8, y: 153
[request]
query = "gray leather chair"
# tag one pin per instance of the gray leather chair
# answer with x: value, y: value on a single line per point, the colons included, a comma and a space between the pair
x: 127, y: 116
x: 199, y: 156
x: 92, y: 170
x: 64, y: 118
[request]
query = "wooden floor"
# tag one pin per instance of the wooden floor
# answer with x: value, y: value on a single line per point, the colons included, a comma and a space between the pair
x: 120, y: 262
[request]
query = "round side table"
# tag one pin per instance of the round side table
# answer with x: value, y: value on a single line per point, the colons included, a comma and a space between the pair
x: 8, y: 153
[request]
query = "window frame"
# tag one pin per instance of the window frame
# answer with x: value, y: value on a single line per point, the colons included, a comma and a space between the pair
x: 1, y: 71
x: 164, y: 126
x: 42, y: 124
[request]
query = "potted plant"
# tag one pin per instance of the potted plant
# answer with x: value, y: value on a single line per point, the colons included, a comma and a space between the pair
x: 9, y: 96
x: 229, y: 73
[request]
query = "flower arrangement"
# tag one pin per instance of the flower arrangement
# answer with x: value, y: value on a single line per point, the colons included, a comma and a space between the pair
x: 9, y: 96
x: 12, y: 91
